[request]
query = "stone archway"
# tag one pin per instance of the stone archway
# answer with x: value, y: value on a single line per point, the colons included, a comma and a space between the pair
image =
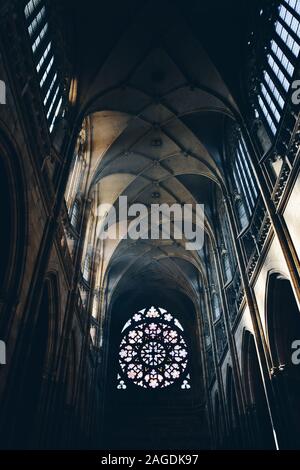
x: 235, y: 430
x: 283, y: 328
x: 172, y: 416
x: 256, y: 403
x: 13, y: 202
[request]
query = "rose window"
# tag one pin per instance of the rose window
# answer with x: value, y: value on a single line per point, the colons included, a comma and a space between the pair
x: 153, y: 353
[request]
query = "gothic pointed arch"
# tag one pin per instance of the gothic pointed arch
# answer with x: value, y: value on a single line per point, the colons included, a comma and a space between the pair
x: 283, y: 328
x: 258, y: 410
x: 235, y: 430
x: 13, y: 236
x: 39, y: 368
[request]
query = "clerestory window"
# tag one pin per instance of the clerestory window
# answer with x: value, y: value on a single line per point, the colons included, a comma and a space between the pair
x: 44, y: 57
x: 282, y: 53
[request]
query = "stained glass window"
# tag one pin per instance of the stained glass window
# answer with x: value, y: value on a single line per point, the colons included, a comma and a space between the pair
x: 153, y: 352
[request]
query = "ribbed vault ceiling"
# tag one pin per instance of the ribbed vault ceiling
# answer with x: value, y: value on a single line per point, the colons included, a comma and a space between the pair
x: 157, y: 107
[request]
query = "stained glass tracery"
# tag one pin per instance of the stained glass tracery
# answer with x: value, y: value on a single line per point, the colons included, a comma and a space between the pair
x: 153, y: 353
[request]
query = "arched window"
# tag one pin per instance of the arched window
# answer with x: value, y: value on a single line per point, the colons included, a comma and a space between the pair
x: 207, y: 340
x: 153, y: 353
x: 2, y: 92
x: 282, y: 53
x: 216, y: 306
x: 44, y: 58
x: 75, y: 215
x: 87, y: 268
x: 76, y: 178
x: 241, y: 213
x: 244, y: 178
x: 93, y: 333
x: 95, y: 306
x: 227, y: 267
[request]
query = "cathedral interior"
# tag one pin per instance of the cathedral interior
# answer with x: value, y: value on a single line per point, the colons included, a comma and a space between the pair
x: 140, y: 343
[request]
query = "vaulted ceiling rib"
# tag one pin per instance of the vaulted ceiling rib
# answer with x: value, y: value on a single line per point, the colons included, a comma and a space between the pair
x: 157, y: 106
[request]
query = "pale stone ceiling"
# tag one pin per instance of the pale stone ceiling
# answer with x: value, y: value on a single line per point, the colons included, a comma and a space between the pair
x: 156, y: 83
